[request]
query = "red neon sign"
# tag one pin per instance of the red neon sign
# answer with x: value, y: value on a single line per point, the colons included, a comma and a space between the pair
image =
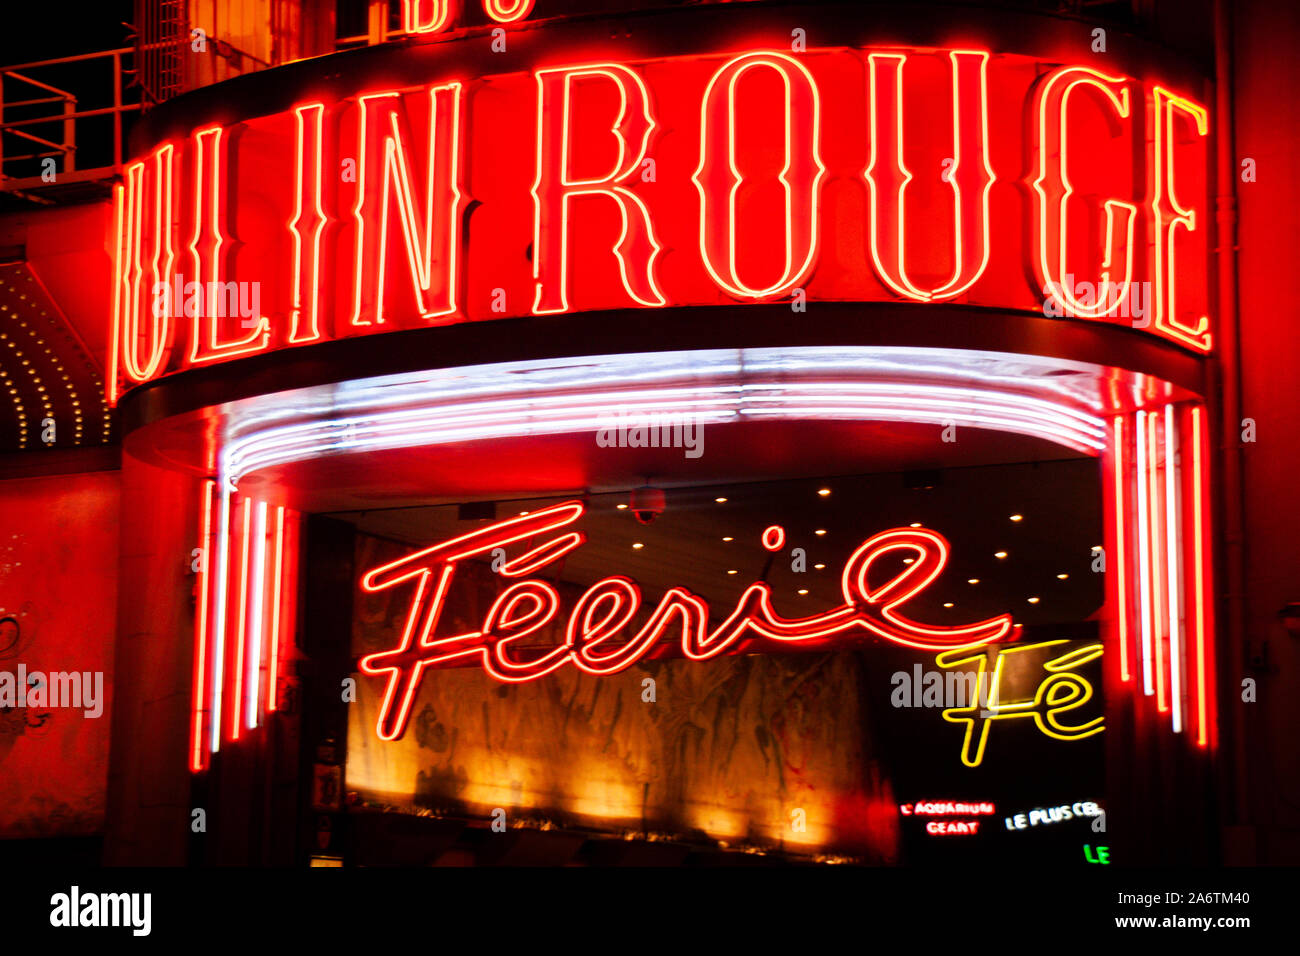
x: 557, y: 186
x: 835, y: 174
x: 601, y: 615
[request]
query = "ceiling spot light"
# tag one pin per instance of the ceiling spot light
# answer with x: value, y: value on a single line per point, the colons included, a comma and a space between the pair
x: 823, y: 492
x: 728, y: 538
x: 972, y: 580
x: 637, y: 546
x: 1033, y: 600
x: 947, y: 604
x: 820, y: 531
x: 1000, y: 555
x: 733, y: 572
x: 622, y: 507
x: 721, y: 501
x: 909, y: 560
x: 820, y: 567
x: 1061, y: 577
x: 803, y: 590
x: 915, y: 524
x: 1017, y: 517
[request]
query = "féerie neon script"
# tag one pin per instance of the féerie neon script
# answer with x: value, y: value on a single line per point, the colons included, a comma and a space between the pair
x: 600, y: 615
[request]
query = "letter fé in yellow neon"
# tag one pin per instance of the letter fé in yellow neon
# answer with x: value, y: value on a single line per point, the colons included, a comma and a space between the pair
x: 1058, y: 692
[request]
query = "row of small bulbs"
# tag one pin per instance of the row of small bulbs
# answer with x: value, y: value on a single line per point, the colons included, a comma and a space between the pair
x: 47, y: 406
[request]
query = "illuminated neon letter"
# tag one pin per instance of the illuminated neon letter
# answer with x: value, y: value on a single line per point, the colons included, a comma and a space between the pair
x: 432, y: 569
x: 1057, y: 693
x: 719, y: 180
x: 308, y: 224
x: 508, y: 11
x: 207, y: 256
x: 1052, y: 191
x: 555, y: 188
x: 970, y: 176
x: 385, y: 172
x: 426, y: 16
x: 1169, y: 215
x: 133, y: 287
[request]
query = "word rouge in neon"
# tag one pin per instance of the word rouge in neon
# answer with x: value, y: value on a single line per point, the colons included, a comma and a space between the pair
x: 605, y: 610
x: 684, y: 181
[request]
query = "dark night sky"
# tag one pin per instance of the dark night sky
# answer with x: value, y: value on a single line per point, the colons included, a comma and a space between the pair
x: 35, y: 31
x: 44, y: 31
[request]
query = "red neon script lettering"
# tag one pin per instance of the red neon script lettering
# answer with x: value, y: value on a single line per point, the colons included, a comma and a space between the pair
x: 607, y: 607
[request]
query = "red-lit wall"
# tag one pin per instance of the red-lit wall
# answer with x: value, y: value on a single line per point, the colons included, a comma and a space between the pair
x: 149, y: 804
x: 58, y: 581
x: 1267, y: 89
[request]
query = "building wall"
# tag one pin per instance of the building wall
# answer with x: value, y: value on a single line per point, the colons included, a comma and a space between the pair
x: 149, y: 805
x: 58, y: 592
x: 1267, y: 88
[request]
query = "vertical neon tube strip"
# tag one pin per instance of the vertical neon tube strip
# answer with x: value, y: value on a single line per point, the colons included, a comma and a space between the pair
x: 257, y: 616
x: 1159, y: 577
x: 1121, y: 546
x: 1143, y: 549
x: 219, y: 615
x: 201, y: 630
x: 1198, y: 569
x: 277, y: 597
x: 242, y: 631
x: 1174, y: 539
x: 119, y: 202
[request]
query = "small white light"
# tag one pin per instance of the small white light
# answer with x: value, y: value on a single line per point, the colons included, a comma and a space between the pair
x: 1017, y: 517
x: 637, y: 546
x: 1000, y: 555
x: 972, y: 580
x: 733, y: 572
x: 1033, y: 600
x: 820, y: 531
x: 721, y: 501
x: 823, y: 492
x: 1061, y: 577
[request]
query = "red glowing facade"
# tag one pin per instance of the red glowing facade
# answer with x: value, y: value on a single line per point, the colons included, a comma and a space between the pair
x: 658, y: 183
x: 422, y: 275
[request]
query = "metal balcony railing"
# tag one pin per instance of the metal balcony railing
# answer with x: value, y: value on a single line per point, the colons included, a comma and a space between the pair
x: 40, y: 121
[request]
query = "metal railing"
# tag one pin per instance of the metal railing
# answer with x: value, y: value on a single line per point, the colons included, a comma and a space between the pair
x: 20, y: 141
